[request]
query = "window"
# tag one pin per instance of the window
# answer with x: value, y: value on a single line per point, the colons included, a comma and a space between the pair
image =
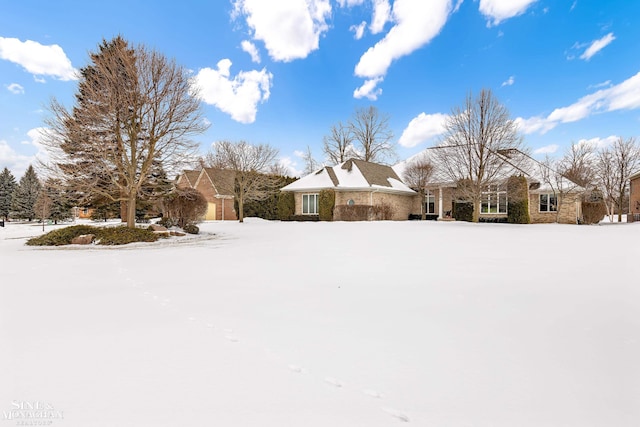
x: 548, y: 203
x: 310, y: 204
x: 430, y: 202
x: 494, y: 200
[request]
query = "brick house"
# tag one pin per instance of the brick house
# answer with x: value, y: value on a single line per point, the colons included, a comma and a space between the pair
x: 356, y: 183
x: 216, y: 185
x: 550, y: 200
x: 634, y: 198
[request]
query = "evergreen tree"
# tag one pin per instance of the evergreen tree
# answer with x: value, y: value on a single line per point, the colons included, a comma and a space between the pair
x: 7, y: 187
x: 26, y: 195
x: 61, y: 203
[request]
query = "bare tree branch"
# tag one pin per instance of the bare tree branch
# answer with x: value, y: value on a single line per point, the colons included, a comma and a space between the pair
x: 370, y: 129
x: 338, y: 146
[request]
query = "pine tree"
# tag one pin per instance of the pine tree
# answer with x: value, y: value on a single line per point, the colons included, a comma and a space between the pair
x: 7, y: 187
x: 26, y: 195
x: 60, y: 207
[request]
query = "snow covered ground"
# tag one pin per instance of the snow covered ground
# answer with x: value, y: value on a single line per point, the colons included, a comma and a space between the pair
x: 326, y: 324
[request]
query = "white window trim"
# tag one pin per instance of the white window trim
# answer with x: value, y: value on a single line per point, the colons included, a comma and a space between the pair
x: 493, y: 194
x: 316, y: 196
x: 429, y: 194
x: 548, y: 203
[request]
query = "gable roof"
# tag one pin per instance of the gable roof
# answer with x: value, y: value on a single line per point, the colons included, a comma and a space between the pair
x: 191, y: 176
x: 222, y: 180
x: 352, y: 174
x: 635, y: 176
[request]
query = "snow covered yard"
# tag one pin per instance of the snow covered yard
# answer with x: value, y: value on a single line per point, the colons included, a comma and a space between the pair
x: 327, y: 324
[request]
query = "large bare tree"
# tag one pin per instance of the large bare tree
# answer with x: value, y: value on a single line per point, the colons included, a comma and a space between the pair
x: 338, y: 146
x: 476, y: 134
x: 615, y: 165
x: 135, y: 111
x: 417, y: 176
x: 372, y: 135
x: 252, y: 166
x: 578, y: 164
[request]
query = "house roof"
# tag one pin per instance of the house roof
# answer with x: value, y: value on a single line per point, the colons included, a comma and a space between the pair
x: 635, y: 176
x: 222, y: 179
x: 191, y: 176
x: 514, y: 162
x: 352, y: 174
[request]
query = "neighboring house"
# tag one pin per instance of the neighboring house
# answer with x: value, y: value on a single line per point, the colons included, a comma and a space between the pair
x: 356, y: 183
x: 216, y: 185
x: 634, y: 198
x: 552, y: 198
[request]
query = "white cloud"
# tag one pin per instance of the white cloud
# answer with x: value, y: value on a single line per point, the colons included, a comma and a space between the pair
x: 548, y: 149
x: 16, y: 162
x: 422, y: 128
x: 237, y: 96
x: 252, y: 50
x: 350, y: 3
x: 623, y: 96
x: 37, y: 59
x: 289, y: 29
x: 598, y: 142
x: 291, y: 166
x: 299, y: 153
x: 381, y: 15
x: 15, y: 88
x: 369, y: 89
x: 600, y: 85
x: 416, y: 23
x: 510, y: 81
x: 497, y: 11
x: 597, y: 45
x: 358, y: 30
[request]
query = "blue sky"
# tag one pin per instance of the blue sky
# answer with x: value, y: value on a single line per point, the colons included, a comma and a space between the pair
x: 282, y: 72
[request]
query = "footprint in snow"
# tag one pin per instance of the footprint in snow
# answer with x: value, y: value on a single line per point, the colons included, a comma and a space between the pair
x: 334, y: 382
x: 397, y: 414
x: 372, y: 393
x: 297, y: 369
x: 231, y: 338
x: 193, y: 319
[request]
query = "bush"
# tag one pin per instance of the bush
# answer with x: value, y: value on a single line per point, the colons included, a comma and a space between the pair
x: 352, y: 213
x: 123, y: 235
x: 463, y: 211
x: 166, y: 222
x: 191, y: 229
x: 286, y: 205
x: 593, y: 212
x: 186, y: 206
x: 494, y: 220
x: 518, y: 205
x: 326, y: 202
x: 62, y: 236
x: 304, y: 218
x: 383, y: 211
x: 104, y: 235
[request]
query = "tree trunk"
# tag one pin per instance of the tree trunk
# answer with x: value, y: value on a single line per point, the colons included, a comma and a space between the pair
x: 423, y: 211
x: 620, y: 203
x: 476, y: 210
x: 131, y: 210
x: 241, y: 209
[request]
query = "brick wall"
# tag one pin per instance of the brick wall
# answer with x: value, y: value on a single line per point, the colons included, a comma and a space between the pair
x: 634, y: 199
x: 208, y: 191
x: 569, y: 210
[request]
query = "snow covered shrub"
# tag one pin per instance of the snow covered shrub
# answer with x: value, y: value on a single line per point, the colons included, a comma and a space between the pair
x: 123, y: 235
x: 104, y: 235
x: 191, y: 229
x: 62, y: 236
x: 186, y: 206
x: 326, y: 202
x: 518, y: 200
x: 286, y: 206
x: 166, y: 222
